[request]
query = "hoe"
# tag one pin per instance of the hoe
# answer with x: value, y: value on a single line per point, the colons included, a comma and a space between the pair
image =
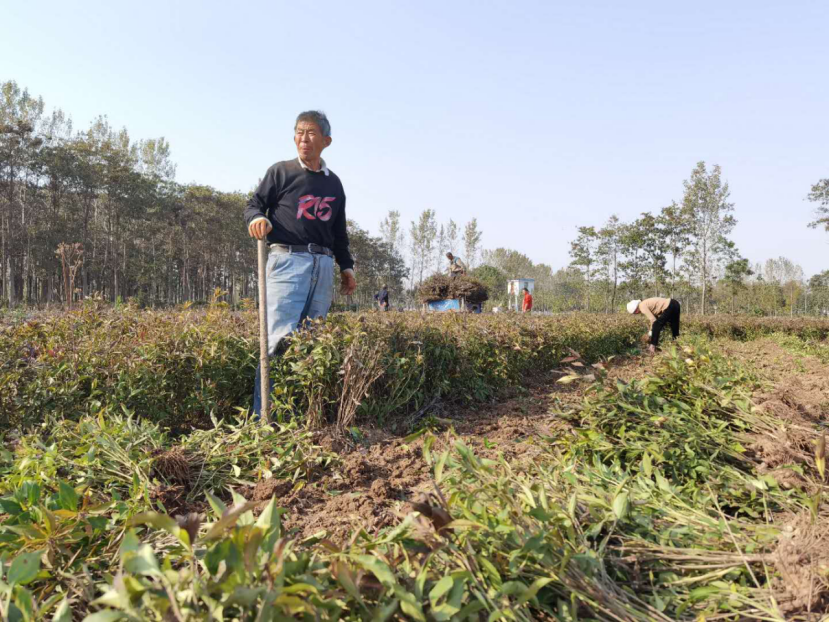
x: 262, y: 260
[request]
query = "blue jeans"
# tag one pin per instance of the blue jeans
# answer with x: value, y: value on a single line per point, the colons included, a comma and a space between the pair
x: 299, y: 288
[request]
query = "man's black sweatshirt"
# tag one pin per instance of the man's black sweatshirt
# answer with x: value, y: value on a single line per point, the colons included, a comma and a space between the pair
x: 304, y: 207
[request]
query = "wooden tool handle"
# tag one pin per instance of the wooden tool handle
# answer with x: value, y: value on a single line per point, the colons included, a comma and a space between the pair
x: 265, y: 386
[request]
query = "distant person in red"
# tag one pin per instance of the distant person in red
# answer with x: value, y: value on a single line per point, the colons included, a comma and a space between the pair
x: 527, y: 303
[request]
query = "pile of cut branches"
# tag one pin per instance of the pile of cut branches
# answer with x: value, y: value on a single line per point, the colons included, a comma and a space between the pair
x: 440, y: 287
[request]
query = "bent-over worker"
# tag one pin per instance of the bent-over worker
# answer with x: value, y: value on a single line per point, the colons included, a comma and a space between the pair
x: 300, y: 209
x: 659, y: 311
x: 382, y: 298
x: 457, y: 267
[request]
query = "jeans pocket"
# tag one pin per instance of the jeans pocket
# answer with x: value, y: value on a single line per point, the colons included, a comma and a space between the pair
x: 327, y: 263
x: 327, y: 271
x: 276, y: 262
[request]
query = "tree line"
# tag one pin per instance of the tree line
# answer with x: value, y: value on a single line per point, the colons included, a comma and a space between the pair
x: 135, y: 231
x: 684, y: 252
x: 94, y: 212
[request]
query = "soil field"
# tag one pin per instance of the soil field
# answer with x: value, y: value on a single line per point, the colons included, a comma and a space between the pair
x: 691, y: 485
x: 381, y: 474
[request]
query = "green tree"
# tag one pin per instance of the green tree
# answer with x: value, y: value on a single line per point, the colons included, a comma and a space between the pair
x: 496, y: 282
x: 787, y: 277
x: 634, y: 264
x: 441, y: 248
x: 20, y: 143
x: 472, y: 242
x: 422, y: 239
x: 819, y: 194
x: 566, y: 289
x: 584, y: 255
x: 818, y: 293
x: 391, y: 231
x: 735, y: 275
x: 608, y: 254
x: 653, y: 245
x: 709, y: 215
x: 673, y: 228
x: 452, y: 237
x: 513, y: 264
x: 793, y: 284
x: 144, y: 235
x: 516, y: 265
x: 378, y: 265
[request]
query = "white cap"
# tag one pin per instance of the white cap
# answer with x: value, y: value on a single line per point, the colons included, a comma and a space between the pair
x: 632, y: 306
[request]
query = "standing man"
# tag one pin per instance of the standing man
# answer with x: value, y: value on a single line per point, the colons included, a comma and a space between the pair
x: 659, y: 311
x: 527, y: 302
x: 457, y: 267
x: 382, y: 297
x: 300, y: 209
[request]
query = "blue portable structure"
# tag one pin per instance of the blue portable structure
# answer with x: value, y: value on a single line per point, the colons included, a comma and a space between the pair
x: 454, y: 305
x: 445, y: 305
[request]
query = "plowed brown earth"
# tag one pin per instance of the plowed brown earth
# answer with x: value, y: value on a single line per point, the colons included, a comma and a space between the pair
x: 375, y: 480
x: 799, y: 382
x: 798, y: 395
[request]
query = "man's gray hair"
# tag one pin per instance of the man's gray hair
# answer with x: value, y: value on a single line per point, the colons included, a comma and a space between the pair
x: 315, y: 116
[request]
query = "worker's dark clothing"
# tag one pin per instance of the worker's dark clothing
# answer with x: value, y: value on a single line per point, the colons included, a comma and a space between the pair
x: 304, y: 207
x: 307, y: 210
x: 382, y: 298
x: 670, y: 316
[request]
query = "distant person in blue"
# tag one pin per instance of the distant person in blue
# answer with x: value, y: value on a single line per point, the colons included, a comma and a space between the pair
x: 382, y: 298
x: 300, y: 209
x: 457, y: 267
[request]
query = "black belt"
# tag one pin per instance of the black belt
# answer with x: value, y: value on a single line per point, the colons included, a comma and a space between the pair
x: 301, y: 248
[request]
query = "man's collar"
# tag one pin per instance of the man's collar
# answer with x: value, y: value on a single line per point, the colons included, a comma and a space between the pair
x: 323, y: 166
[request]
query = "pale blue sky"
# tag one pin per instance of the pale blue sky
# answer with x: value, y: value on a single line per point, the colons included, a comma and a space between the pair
x: 534, y: 117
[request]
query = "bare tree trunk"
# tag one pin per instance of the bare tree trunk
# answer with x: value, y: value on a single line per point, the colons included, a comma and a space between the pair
x: 673, y: 273
x: 3, y: 257
x: 66, y: 288
x: 153, y: 274
x: 104, y: 266
x: 703, y: 282
x: 124, y: 276
x: 792, y: 301
x: 29, y: 291
x: 588, y: 287
x: 10, y: 279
